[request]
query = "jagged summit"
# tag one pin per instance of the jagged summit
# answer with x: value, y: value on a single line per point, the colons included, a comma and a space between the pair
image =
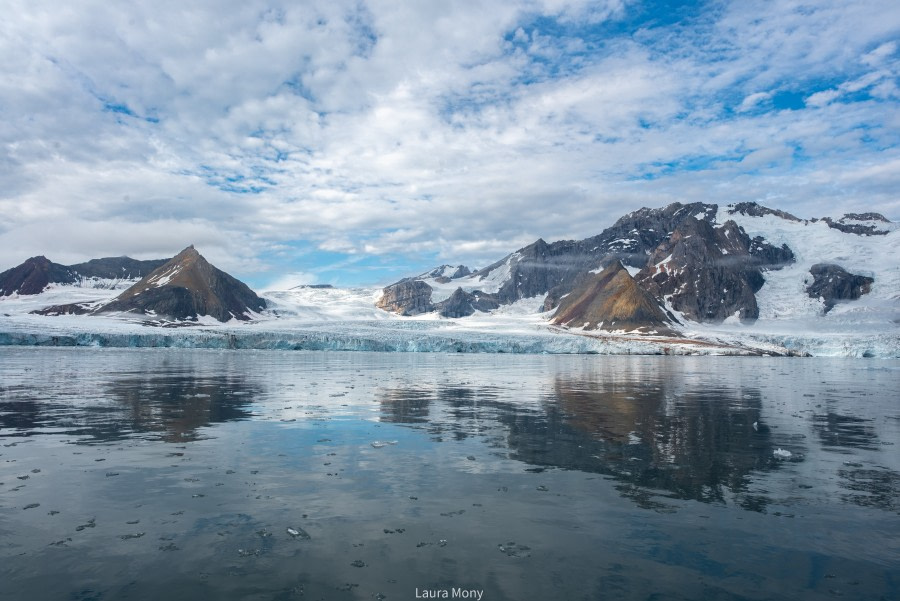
x: 187, y: 287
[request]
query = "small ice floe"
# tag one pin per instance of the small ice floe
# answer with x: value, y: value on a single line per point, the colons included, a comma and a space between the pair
x: 298, y: 532
x: 383, y: 443
x: 511, y: 549
x: 756, y: 426
x: 781, y: 453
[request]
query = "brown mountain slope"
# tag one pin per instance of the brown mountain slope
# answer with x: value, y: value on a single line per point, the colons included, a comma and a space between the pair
x: 186, y: 287
x: 32, y: 276
x: 612, y: 300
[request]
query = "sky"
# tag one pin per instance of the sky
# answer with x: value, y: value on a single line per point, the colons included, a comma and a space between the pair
x: 354, y: 142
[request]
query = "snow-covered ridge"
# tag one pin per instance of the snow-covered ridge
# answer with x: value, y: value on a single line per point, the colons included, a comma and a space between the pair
x: 486, y: 280
x: 784, y: 297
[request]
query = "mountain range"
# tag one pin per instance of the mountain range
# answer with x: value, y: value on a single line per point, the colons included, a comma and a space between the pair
x: 183, y: 288
x: 676, y: 272
x: 658, y: 269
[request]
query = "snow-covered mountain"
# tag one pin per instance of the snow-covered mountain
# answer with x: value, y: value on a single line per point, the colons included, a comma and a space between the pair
x: 704, y: 264
x: 186, y: 287
x: 682, y: 279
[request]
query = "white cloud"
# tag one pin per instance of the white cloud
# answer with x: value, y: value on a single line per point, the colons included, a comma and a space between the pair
x: 454, y: 130
x: 291, y: 280
x: 752, y: 100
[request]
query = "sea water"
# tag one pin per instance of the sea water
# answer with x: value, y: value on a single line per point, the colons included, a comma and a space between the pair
x: 196, y: 474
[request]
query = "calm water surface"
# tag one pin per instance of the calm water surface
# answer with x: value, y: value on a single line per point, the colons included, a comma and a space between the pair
x: 169, y: 474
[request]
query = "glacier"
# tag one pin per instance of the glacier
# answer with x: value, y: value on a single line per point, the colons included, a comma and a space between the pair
x: 345, y: 319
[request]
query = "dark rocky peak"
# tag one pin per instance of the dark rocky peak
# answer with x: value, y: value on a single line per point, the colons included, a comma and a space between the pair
x: 462, y: 303
x: 635, y: 235
x: 187, y: 287
x: 34, y: 275
x: 124, y: 268
x: 706, y: 273
x: 612, y: 300
x: 752, y: 209
x: 832, y: 283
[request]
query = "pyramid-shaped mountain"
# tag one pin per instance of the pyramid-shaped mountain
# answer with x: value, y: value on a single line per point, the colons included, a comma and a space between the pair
x: 612, y: 300
x: 185, y: 288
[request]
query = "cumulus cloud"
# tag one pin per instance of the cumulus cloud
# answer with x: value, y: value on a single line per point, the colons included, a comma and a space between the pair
x: 437, y: 131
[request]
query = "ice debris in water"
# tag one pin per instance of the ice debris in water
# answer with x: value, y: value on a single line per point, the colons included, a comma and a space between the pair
x: 383, y: 443
x: 298, y: 532
x: 781, y: 453
x: 512, y: 549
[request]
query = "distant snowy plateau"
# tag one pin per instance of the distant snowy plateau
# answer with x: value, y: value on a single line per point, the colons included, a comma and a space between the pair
x: 789, y: 286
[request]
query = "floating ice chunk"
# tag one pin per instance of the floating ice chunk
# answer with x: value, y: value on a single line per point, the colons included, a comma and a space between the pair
x: 382, y: 443
x: 781, y: 453
x: 298, y: 532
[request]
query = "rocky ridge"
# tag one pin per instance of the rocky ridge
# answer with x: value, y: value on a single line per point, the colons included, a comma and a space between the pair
x: 690, y: 258
x: 35, y: 274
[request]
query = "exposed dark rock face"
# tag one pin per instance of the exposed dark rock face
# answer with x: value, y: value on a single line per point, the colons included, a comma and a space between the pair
x: 124, y: 268
x: 186, y: 287
x: 833, y: 284
x: 34, y: 275
x: 406, y: 297
x: 753, y: 209
x: 540, y: 267
x: 462, y: 303
x: 849, y: 224
x: 769, y: 256
x: 709, y: 273
x: 70, y: 309
x: 612, y: 300
x: 633, y: 237
x: 865, y: 217
x: 553, y: 269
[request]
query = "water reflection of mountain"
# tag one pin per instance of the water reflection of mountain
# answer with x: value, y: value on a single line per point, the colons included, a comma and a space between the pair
x: 653, y: 439
x: 167, y: 407
x: 697, y: 445
x: 838, y: 431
